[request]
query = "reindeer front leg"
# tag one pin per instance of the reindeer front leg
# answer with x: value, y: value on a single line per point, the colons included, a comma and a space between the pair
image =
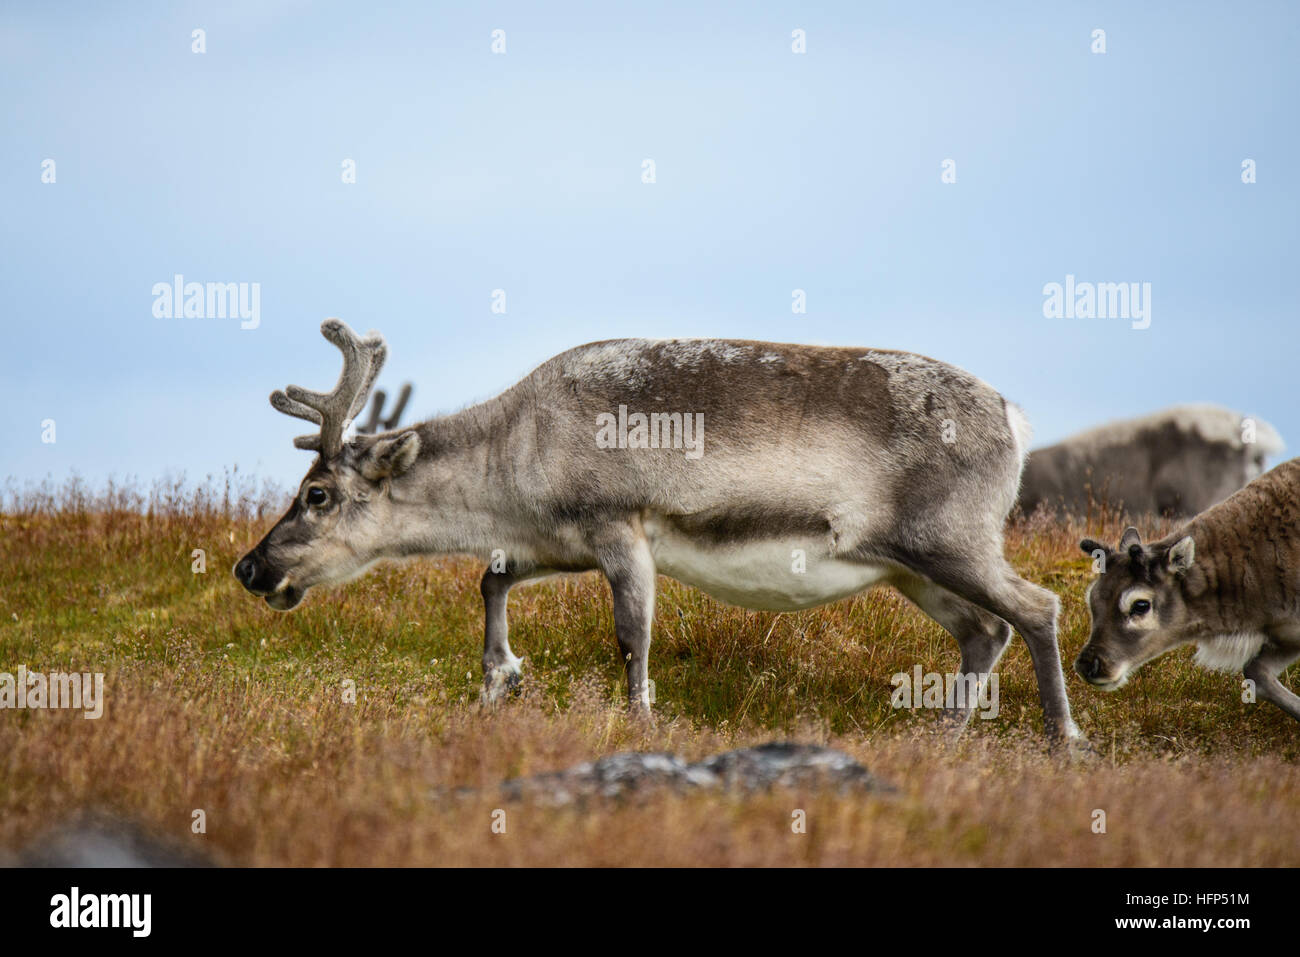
x: 500, y: 667
x: 1264, y: 668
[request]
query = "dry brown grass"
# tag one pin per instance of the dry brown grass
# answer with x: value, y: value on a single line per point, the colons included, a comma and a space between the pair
x: 215, y: 702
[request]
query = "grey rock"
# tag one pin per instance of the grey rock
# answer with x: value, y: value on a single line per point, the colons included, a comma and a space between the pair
x: 631, y: 774
x: 789, y: 765
x: 104, y: 841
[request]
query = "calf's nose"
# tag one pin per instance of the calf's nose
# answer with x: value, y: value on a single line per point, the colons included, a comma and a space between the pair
x: 246, y: 571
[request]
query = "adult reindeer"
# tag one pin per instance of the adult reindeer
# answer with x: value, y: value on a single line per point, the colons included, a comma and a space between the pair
x: 825, y: 471
x: 1178, y: 462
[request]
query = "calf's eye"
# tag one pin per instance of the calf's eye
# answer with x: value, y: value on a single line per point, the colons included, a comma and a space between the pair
x: 316, y: 496
x: 1140, y: 607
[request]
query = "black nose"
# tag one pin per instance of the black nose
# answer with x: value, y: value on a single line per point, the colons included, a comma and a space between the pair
x: 246, y: 571
x: 1088, y: 664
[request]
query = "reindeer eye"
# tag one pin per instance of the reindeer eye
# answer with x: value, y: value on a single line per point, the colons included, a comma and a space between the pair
x: 1140, y: 607
x: 316, y: 496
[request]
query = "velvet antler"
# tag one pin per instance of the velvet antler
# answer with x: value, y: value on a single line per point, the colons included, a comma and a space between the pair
x: 333, y: 411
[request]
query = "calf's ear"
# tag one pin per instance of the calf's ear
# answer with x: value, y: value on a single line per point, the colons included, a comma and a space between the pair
x: 1181, y: 555
x: 1091, y: 548
x: 390, y: 457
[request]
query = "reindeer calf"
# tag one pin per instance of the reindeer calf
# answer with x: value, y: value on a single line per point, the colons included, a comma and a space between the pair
x: 1228, y: 581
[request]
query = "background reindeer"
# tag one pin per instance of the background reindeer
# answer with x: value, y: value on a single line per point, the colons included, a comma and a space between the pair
x: 1178, y: 462
x: 378, y: 422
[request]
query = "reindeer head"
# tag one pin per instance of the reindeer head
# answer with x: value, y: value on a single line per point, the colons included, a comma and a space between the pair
x: 1137, y: 607
x: 341, y: 519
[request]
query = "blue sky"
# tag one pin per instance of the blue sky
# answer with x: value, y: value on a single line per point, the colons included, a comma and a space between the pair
x: 774, y: 171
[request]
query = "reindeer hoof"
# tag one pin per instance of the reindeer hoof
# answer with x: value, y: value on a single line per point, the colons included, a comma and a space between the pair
x: 1081, y: 749
x: 1075, y: 746
x: 501, y: 682
x: 514, y: 684
x: 639, y: 713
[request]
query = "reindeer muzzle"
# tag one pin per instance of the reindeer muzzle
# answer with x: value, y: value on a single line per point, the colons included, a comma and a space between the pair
x: 259, y: 578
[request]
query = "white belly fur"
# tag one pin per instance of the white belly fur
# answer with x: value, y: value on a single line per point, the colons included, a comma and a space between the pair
x: 760, y: 574
x: 1228, y: 653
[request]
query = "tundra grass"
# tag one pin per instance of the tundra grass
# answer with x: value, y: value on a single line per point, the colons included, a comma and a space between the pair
x: 215, y: 703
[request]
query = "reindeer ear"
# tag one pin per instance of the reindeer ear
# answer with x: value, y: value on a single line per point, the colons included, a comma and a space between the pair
x: 390, y: 457
x: 1181, y: 555
x: 1091, y: 548
x: 1129, y: 539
